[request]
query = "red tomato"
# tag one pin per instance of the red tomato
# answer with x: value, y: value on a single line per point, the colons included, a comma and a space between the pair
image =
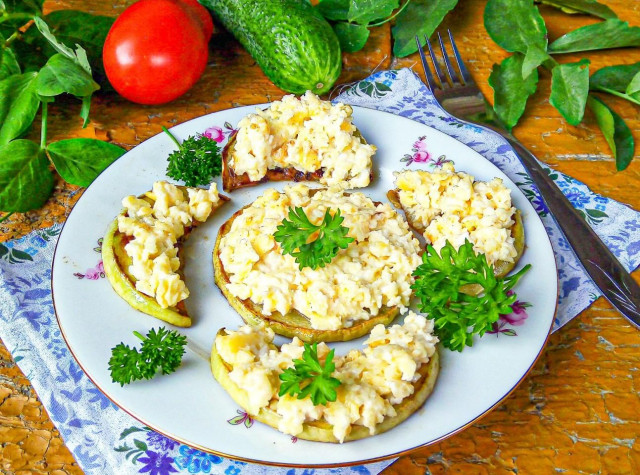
x: 202, y: 14
x: 156, y: 50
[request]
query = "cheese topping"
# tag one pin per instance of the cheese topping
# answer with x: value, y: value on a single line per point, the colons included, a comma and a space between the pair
x: 450, y: 206
x: 372, y: 380
x: 155, y: 229
x: 374, y: 271
x: 307, y: 134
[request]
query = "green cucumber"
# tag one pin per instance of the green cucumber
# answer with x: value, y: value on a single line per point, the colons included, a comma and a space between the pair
x: 292, y: 43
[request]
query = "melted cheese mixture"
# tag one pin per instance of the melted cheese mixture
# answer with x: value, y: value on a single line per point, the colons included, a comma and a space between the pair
x: 374, y: 271
x: 307, y: 134
x: 155, y: 230
x: 450, y: 206
x: 372, y: 380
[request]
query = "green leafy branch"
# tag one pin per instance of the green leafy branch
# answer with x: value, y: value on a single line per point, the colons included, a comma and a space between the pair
x: 523, y: 32
x: 42, y: 58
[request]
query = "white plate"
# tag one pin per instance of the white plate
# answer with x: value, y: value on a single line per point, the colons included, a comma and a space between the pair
x: 189, y: 405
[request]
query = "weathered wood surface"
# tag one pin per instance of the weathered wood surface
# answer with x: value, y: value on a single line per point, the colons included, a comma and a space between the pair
x: 577, y: 412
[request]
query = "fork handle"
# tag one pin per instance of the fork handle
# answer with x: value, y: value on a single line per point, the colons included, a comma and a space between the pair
x: 616, y: 284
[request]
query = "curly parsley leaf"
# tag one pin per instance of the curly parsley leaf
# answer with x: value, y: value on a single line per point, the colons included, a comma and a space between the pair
x: 294, y: 234
x: 196, y: 161
x: 308, y: 377
x: 457, y: 315
x: 162, y: 349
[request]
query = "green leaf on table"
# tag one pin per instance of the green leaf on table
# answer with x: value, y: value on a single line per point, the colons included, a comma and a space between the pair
x: 590, y: 7
x: 79, y: 56
x: 80, y: 161
x: 569, y: 89
x: 18, y: 105
x: 604, y: 35
x: 511, y: 91
x: 615, y: 131
x: 633, y: 89
x: 366, y: 11
x: 73, y: 27
x: 63, y: 75
x: 25, y: 180
x: 515, y: 25
x: 615, y: 78
x: 352, y: 36
x: 533, y: 58
x: 420, y: 18
x: 334, y: 9
x: 8, y: 62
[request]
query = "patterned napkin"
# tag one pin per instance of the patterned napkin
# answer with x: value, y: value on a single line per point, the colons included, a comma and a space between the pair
x: 104, y: 439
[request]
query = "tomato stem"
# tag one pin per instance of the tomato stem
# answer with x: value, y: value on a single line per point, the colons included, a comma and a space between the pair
x: 166, y: 131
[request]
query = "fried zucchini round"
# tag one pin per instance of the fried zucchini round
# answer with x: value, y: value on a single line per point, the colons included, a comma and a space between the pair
x: 321, y: 431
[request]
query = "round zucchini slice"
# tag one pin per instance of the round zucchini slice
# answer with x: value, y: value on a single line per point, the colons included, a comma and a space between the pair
x: 321, y: 431
x: 293, y: 323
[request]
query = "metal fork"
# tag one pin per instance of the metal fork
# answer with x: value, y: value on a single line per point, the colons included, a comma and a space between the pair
x: 459, y: 95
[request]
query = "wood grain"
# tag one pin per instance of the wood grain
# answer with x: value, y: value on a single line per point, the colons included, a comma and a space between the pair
x: 577, y: 412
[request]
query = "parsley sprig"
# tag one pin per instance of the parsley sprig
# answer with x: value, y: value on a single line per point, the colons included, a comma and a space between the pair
x: 308, y: 377
x: 162, y: 349
x: 457, y: 315
x: 196, y: 161
x: 294, y: 233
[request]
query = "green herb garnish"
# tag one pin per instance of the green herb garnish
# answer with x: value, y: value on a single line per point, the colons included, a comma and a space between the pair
x: 459, y: 316
x: 294, y: 233
x: 162, y: 349
x: 196, y: 161
x: 309, y: 377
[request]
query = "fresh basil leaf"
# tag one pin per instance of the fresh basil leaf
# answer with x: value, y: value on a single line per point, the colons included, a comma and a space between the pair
x: 8, y: 62
x: 18, y: 105
x: 352, y: 36
x: 80, y: 161
x: 419, y: 18
x: 616, y: 132
x: 590, y: 7
x: 337, y: 10
x: 515, y: 25
x: 25, y: 179
x: 79, y: 56
x: 366, y: 11
x: 63, y: 75
x: 569, y: 89
x: 604, y: 35
x: 511, y: 91
x: 533, y: 58
x: 614, y: 78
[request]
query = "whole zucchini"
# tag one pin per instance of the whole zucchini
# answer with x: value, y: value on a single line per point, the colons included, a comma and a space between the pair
x: 293, y: 44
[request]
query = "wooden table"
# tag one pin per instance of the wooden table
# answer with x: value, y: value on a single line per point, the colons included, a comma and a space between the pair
x: 578, y: 411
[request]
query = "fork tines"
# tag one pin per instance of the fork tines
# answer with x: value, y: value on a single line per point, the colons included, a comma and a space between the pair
x: 451, y: 77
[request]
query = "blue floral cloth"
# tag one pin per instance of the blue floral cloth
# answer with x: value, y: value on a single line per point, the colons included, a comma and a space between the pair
x: 105, y: 440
